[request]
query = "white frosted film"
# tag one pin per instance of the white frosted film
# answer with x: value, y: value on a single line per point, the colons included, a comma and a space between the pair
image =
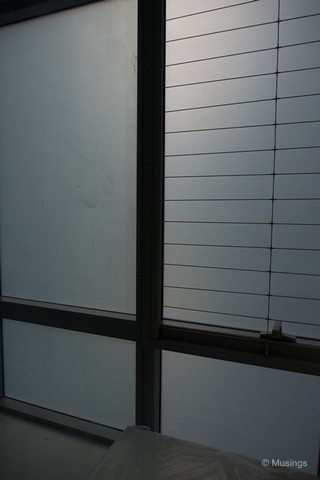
x: 302, y: 160
x: 247, y: 64
x: 295, y: 8
x: 299, y: 109
x: 176, y: 8
x: 305, y: 82
x: 225, y: 43
x: 228, y: 405
x: 242, y: 161
x: 259, y: 138
x: 300, y: 30
x: 297, y: 186
x: 228, y: 92
x: 296, y: 236
x: 241, y: 187
x: 299, y: 56
x: 214, y: 319
x: 86, y: 376
x: 243, y: 15
x: 297, y: 212
x: 296, y: 310
x: 218, y: 279
x: 222, y: 257
x: 248, y: 114
x: 217, y: 302
x: 234, y: 163
x: 245, y: 235
x: 68, y: 161
x: 296, y: 261
x: 299, y: 135
x: 243, y: 211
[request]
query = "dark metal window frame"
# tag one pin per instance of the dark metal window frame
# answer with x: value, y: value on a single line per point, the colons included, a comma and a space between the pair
x: 148, y: 331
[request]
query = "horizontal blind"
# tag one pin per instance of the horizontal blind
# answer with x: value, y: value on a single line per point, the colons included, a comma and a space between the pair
x: 242, y: 174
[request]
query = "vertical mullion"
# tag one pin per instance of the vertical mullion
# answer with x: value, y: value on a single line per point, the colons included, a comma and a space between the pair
x: 274, y: 167
x: 149, y: 207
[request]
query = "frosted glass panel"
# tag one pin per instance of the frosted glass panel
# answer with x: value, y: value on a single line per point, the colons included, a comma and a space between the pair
x: 214, y: 319
x: 253, y: 13
x: 232, y: 127
x: 228, y: 405
x: 259, y: 113
x: 300, y: 109
x: 82, y: 375
x: 228, y: 92
x: 298, y: 161
x: 306, y: 262
x: 224, y: 43
x: 297, y: 310
x: 295, y: 211
x: 299, y: 56
x: 219, y: 188
x: 299, y: 83
x: 295, y: 8
x: 297, y: 186
x: 300, y: 135
x: 215, y: 279
x: 176, y: 8
x: 218, y: 234
x: 220, y: 68
x: 234, y: 163
x: 218, y: 302
x: 68, y: 162
x: 301, y: 30
x: 296, y: 236
x: 245, y: 211
x: 259, y: 138
x: 222, y: 257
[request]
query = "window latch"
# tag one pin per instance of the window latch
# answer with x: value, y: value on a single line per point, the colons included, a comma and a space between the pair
x: 277, y: 334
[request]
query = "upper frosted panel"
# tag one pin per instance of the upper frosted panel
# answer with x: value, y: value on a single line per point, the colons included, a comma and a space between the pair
x: 217, y: 20
x: 68, y: 161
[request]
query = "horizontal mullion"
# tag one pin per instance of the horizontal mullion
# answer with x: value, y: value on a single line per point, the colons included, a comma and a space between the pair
x: 227, y: 199
x: 295, y: 297
x: 215, y: 245
x: 235, y: 29
x: 109, y: 324
x: 232, y: 175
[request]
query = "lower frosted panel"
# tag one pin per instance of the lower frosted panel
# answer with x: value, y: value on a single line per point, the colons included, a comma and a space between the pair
x: 295, y: 310
x: 249, y: 410
x: 83, y: 375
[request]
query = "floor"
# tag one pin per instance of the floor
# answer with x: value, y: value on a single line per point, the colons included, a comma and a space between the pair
x: 34, y: 451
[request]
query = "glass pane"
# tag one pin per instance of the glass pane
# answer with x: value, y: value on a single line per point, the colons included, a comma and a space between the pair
x: 299, y: 109
x: 239, y: 16
x: 220, y: 44
x: 300, y: 30
x: 302, y: 160
x: 228, y: 405
x: 295, y: 8
x: 175, y: 8
x: 247, y: 64
x: 233, y: 163
x: 86, y: 376
x: 257, y: 113
x: 299, y: 56
x: 297, y: 186
x: 299, y: 135
x: 68, y: 156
